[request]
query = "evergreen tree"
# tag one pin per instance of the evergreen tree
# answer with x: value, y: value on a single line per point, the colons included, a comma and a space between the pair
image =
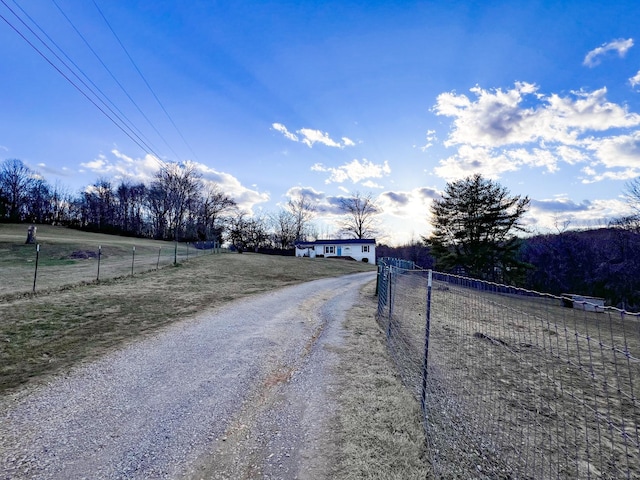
x: 474, y: 230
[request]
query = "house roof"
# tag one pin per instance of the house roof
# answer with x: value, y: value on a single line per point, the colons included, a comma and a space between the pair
x: 339, y: 241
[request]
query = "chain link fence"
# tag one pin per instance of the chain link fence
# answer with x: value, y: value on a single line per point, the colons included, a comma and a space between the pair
x: 515, y: 384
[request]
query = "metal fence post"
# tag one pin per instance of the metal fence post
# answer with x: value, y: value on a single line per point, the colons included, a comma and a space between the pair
x: 99, y: 257
x: 35, y: 273
x: 423, y: 399
x: 133, y: 258
x: 390, y: 300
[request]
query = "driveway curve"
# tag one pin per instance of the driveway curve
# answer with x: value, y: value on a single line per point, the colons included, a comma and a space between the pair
x: 240, y: 392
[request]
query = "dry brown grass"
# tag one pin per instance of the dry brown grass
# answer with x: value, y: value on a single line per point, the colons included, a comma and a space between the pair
x: 524, y: 386
x: 381, y: 434
x: 52, y: 330
x: 69, y: 257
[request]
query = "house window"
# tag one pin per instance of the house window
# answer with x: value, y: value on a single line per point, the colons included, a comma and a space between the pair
x: 329, y: 249
x: 365, y: 248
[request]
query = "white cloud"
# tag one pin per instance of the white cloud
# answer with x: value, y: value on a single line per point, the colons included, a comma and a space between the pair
x: 371, y: 184
x: 571, y: 155
x: 500, y: 131
x: 123, y: 167
x: 593, y: 176
x: 548, y: 214
x: 407, y: 213
x: 309, y: 137
x: 535, y: 157
x: 355, y: 171
x: 470, y: 160
x: 635, y: 80
x: 282, y: 129
x: 247, y: 198
x: 98, y: 165
x: 498, y: 118
x: 431, y: 137
x: 620, y: 151
x: 620, y: 46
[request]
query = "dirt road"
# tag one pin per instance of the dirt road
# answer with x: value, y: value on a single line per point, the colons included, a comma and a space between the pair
x: 237, y: 393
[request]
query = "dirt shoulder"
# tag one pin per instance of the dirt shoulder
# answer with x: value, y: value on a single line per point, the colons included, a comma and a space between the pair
x: 379, y: 422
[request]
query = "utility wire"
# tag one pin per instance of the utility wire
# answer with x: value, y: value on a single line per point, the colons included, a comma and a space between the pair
x: 104, y: 97
x: 114, y: 77
x: 139, y: 142
x: 145, y: 81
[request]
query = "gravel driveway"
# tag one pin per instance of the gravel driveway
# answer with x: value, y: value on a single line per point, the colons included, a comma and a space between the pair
x: 241, y: 392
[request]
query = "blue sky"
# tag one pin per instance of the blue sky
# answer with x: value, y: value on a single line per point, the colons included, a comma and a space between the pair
x: 271, y: 99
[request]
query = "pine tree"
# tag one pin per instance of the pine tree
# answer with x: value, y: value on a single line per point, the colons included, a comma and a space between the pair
x: 474, y: 230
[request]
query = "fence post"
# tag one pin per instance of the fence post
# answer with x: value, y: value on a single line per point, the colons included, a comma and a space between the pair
x: 390, y: 299
x: 158, y: 262
x: 426, y: 345
x: 175, y: 252
x: 99, y: 257
x: 35, y: 273
x: 133, y: 258
x: 378, y: 279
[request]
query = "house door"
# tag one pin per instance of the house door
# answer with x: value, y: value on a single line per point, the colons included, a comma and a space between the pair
x: 339, y: 251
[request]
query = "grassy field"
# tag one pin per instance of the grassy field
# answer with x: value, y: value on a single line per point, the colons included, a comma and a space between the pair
x: 69, y: 257
x: 521, y: 384
x: 69, y: 321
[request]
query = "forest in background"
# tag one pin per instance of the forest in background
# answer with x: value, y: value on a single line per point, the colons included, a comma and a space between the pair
x: 602, y: 263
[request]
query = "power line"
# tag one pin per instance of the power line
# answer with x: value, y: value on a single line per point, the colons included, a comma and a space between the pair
x: 139, y: 142
x: 145, y: 81
x: 104, y: 98
x: 114, y: 77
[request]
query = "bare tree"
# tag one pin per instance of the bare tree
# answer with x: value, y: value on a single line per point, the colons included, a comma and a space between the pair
x: 213, y: 205
x: 101, y: 204
x: 632, y: 221
x: 130, y: 210
x: 16, y: 182
x: 174, y: 191
x: 40, y: 209
x: 285, y: 228
x: 302, y: 210
x: 360, y: 212
x: 61, y: 200
x: 247, y: 233
x: 632, y: 194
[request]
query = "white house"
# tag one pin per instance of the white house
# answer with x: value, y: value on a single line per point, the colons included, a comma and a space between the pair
x: 360, y: 249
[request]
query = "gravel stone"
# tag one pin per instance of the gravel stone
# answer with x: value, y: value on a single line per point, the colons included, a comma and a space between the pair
x: 240, y: 392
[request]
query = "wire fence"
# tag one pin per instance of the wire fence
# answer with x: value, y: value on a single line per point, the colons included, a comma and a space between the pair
x: 53, y: 266
x: 513, y: 383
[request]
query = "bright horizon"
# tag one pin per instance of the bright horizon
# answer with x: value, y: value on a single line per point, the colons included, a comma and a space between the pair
x: 269, y: 99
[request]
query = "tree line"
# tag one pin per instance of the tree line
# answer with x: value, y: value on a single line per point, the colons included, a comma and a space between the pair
x: 477, y: 227
x: 477, y: 232
x: 177, y: 204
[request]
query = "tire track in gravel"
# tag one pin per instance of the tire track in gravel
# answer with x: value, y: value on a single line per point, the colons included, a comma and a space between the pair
x: 238, y: 393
